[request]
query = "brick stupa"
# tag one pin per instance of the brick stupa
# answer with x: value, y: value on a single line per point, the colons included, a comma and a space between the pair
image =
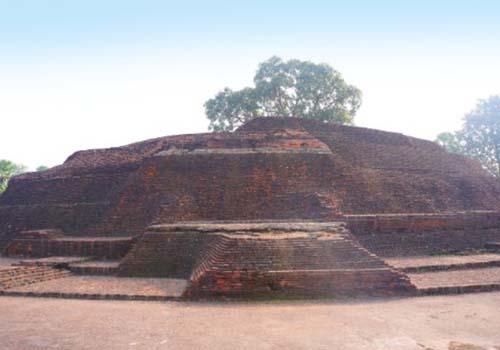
x: 281, y: 203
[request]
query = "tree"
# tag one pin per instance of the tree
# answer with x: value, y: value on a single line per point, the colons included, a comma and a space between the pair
x: 480, y: 135
x: 450, y: 142
x: 7, y: 170
x: 42, y: 168
x: 295, y: 88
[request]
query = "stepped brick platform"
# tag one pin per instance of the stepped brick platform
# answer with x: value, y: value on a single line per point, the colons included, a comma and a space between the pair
x: 448, y: 262
x: 494, y: 246
x: 104, y: 287
x: 99, y: 267
x: 451, y: 274
x: 102, y: 247
x: 250, y: 259
x: 7, y: 262
x: 393, y: 235
x: 11, y: 277
x: 54, y: 261
x: 456, y: 282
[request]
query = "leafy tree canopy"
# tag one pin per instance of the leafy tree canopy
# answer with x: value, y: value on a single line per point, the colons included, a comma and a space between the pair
x: 480, y: 135
x: 42, y: 168
x: 450, y: 142
x: 293, y: 88
x: 7, y: 170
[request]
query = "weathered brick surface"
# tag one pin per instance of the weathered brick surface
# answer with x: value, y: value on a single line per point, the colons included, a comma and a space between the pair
x: 264, y: 258
x: 312, y: 283
x: 98, y: 267
x: 72, y: 218
x: 221, y: 187
x: 272, y: 168
x: 421, y: 234
x: 172, y: 255
x: 23, y: 275
x: 103, y: 287
x: 313, y: 265
x: 456, y: 282
x: 444, y: 262
x: 384, y: 172
x: 110, y: 248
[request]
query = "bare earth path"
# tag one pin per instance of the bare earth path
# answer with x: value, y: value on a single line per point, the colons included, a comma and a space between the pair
x: 461, y: 322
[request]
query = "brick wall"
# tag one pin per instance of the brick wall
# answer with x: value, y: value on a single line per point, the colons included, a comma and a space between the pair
x: 113, y: 248
x: 374, y: 282
x: 225, y: 187
x: 73, y: 219
x: 383, y: 172
x: 170, y: 255
x: 417, y: 234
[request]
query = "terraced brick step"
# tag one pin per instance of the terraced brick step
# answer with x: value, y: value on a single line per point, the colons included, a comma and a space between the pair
x: 292, y: 254
x: 457, y: 282
x: 239, y: 265
x: 96, y: 267
x: 102, y: 247
x: 495, y: 246
x: 440, y: 263
x: 55, y: 261
x: 88, y: 296
x: 17, y: 276
x: 105, y: 287
x: 13, y: 271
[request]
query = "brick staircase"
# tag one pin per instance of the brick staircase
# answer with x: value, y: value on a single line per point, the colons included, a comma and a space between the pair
x: 210, y: 257
x: 293, y: 264
x: 80, y: 255
x: 17, y: 276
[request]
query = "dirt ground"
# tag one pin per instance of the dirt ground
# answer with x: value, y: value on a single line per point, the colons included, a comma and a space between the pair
x: 464, y: 322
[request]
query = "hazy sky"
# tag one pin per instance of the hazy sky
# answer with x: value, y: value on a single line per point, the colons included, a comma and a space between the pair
x: 86, y: 74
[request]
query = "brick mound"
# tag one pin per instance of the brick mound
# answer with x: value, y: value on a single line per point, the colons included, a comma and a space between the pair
x: 253, y: 259
x: 270, y: 169
x: 398, y: 195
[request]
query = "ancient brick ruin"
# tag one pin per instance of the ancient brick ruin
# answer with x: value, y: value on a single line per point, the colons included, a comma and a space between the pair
x: 280, y: 205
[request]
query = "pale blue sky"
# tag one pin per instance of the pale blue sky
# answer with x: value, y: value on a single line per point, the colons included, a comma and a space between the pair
x: 84, y: 74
